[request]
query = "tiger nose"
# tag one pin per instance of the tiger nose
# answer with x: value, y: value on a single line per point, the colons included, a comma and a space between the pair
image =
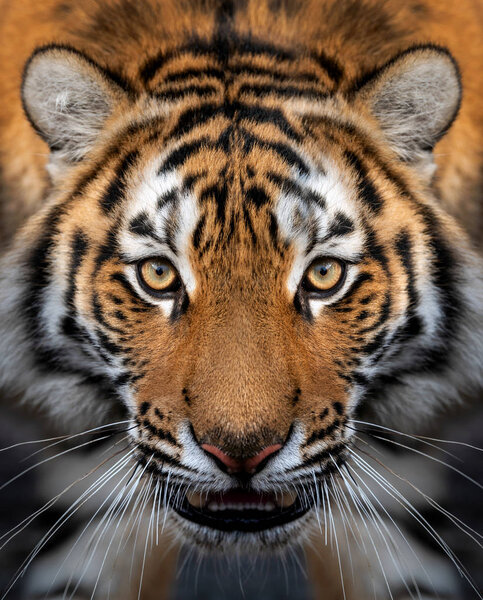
x: 248, y: 465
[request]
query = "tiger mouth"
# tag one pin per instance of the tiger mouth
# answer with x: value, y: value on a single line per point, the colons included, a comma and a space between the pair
x: 242, y: 510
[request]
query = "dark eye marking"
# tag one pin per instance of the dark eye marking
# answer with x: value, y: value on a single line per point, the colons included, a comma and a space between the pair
x: 358, y: 282
x: 121, y: 279
x: 341, y: 225
x: 142, y: 225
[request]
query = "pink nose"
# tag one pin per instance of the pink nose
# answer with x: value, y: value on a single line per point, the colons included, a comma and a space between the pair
x: 249, y: 465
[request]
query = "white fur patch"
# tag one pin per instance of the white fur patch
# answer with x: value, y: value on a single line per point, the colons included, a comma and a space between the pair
x: 300, y: 221
x: 181, y: 213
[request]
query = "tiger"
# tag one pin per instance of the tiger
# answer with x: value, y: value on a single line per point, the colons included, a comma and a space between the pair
x: 233, y: 232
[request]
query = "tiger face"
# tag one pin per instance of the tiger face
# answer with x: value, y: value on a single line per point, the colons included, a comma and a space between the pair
x: 241, y: 268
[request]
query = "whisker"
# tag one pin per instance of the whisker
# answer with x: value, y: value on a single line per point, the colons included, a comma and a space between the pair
x: 462, y: 526
x: 146, y: 546
x: 72, y: 509
x: 383, y: 524
x: 107, y: 518
x: 61, y: 437
x: 395, y: 494
x: 361, y: 504
x: 421, y: 437
x: 79, y: 537
x: 28, y: 520
x: 434, y: 458
x: 331, y: 519
x: 110, y: 432
x: 48, y: 459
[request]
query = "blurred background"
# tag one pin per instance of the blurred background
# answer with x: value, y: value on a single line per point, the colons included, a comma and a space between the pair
x: 211, y: 579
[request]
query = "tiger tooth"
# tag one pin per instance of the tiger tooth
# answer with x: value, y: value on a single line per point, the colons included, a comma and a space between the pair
x: 286, y: 500
x: 195, y: 499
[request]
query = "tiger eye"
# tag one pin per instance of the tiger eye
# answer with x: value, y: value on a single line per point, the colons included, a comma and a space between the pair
x: 324, y: 275
x: 158, y: 275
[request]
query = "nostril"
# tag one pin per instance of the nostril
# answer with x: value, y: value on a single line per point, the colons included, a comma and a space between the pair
x: 252, y: 463
x: 249, y: 465
x: 229, y: 462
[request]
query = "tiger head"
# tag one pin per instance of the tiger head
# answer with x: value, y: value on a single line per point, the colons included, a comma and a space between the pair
x: 241, y: 252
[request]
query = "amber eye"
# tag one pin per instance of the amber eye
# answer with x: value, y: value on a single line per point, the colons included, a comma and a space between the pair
x: 158, y: 276
x: 325, y: 275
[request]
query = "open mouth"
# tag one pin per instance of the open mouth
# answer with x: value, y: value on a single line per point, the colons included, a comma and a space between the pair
x: 241, y: 510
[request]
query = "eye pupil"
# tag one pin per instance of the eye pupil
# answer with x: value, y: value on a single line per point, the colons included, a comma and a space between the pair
x: 160, y: 270
x: 323, y: 270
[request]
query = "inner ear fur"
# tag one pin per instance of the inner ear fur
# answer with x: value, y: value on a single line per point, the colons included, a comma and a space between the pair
x: 68, y: 97
x: 415, y: 97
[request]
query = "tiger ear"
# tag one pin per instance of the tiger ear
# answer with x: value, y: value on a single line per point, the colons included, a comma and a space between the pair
x: 415, y: 97
x: 67, y: 98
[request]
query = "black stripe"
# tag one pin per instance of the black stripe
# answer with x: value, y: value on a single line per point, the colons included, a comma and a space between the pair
x: 69, y: 325
x: 122, y: 280
x: 288, y: 154
x: 265, y: 89
x: 115, y: 191
x: 160, y: 456
x: 183, y: 152
x: 198, y: 232
x: 274, y: 74
x: 384, y: 314
x: 248, y: 222
x: 414, y: 324
x: 152, y: 65
x: 218, y: 48
x: 78, y: 250
x: 374, y: 249
x: 174, y: 94
x: 109, y: 248
x: 376, y: 344
x: 142, y: 225
x: 190, y: 72
x: 366, y: 188
x: 340, y: 225
x: 157, y: 432
x: 330, y: 65
x: 261, y: 114
x: 98, y: 314
x: 358, y: 282
x: 233, y: 111
x: 257, y: 196
x: 38, y: 277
